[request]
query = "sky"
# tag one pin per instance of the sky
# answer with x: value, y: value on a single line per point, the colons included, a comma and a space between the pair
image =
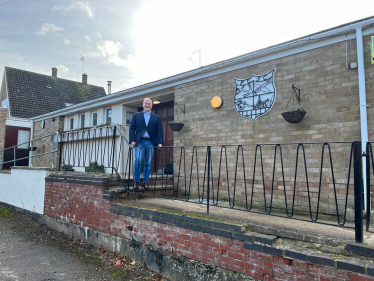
x: 132, y: 42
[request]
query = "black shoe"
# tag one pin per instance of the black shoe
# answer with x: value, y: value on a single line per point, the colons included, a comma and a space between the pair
x: 136, y: 185
x: 146, y: 185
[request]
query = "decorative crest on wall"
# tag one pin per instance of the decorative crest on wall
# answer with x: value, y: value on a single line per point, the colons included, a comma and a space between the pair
x: 255, y: 96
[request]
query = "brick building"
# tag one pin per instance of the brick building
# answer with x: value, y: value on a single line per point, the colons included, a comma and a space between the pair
x: 333, y: 71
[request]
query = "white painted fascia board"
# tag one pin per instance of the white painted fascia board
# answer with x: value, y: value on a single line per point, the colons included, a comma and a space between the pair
x: 6, y: 91
x: 19, y: 123
x: 7, y: 95
x: 299, y: 45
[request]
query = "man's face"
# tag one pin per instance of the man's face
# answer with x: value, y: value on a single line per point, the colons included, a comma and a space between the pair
x: 147, y: 105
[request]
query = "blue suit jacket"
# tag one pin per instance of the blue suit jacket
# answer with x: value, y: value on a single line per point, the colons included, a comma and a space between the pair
x: 138, y: 128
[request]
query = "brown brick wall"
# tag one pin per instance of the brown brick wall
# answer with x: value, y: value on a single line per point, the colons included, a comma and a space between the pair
x: 3, y: 115
x: 45, y: 144
x: 329, y: 95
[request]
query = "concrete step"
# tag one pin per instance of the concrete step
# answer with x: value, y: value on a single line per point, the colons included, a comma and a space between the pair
x: 120, y: 192
x: 153, y: 180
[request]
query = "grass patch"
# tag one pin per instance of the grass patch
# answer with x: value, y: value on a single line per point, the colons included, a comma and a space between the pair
x: 116, y: 273
x: 4, y: 213
x: 96, y: 261
x: 120, y: 275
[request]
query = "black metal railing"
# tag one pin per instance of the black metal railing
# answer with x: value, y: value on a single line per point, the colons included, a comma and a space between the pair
x: 23, y: 154
x: 369, y: 161
x: 316, y: 182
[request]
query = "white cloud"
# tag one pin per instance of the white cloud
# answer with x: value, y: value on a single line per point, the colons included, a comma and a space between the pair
x: 93, y: 55
x: 86, y: 7
x: 88, y: 38
x: 109, y: 51
x: 48, y: 28
x: 66, y: 72
x: 120, y: 88
x: 109, y: 48
x: 66, y: 41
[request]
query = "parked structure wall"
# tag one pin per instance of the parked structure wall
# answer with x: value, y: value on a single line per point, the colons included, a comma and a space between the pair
x: 24, y: 188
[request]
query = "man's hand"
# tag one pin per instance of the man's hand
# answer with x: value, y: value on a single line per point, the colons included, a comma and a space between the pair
x: 133, y: 143
x: 159, y: 145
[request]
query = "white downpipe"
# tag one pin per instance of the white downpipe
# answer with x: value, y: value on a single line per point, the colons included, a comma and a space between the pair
x: 363, y: 111
x: 30, y: 144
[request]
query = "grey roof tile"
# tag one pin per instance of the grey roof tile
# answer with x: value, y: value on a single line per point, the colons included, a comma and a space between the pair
x: 31, y: 94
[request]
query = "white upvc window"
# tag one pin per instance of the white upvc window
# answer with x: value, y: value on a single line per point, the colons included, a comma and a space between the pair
x: 83, y: 117
x: 71, y: 126
x: 94, y: 119
x: 108, y: 115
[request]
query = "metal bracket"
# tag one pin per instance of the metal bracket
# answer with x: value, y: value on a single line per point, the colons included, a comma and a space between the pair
x: 297, y: 94
x: 184, y: 107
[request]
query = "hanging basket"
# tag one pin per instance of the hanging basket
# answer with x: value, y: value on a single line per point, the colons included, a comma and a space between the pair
x: 176, y: 127
x: 294, y: 116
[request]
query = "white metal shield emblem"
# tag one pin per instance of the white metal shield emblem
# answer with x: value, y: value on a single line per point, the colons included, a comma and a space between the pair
x: 255, y: 96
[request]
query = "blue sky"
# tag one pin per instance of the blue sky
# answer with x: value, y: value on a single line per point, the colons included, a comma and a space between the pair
x: 135, y: 42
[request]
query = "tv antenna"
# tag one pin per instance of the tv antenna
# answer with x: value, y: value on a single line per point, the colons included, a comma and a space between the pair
x: 82, y: 59
x: 199, y: 51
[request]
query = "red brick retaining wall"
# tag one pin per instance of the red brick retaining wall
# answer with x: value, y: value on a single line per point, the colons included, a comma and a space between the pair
x: 80, y: 201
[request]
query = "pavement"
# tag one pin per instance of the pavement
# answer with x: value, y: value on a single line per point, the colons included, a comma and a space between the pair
x: 29, y: 250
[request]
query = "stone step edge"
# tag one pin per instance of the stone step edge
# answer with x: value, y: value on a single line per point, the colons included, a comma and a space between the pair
x: 179, y: 219
x: 112, y: 192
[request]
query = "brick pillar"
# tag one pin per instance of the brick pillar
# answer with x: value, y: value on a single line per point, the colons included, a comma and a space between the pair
x: 3, y: 114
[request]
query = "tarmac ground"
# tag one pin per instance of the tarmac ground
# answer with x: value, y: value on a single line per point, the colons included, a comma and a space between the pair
x: 29, y: 250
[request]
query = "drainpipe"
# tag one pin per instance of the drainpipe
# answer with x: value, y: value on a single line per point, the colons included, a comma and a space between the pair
x: 30, y: 143
x: 363, y: 111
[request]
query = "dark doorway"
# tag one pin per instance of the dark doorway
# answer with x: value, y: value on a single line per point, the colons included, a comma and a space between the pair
x: 16, y: 136
x: 166, y: 113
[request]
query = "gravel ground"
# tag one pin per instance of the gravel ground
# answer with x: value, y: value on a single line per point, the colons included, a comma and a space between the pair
x: 29, y: 250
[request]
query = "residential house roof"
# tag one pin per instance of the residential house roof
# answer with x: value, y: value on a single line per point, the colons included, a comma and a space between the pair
x: 31, y: 94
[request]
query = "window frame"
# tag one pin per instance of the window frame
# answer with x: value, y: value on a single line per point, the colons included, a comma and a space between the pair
x: 82, y: 118
x: 108, y: 119
x: 94, y: 119
x: 71, y: 123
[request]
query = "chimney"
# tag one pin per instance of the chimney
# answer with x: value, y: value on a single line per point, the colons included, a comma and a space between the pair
x: 54, y: 72
x: 84, y: 79
x: 109, y: 87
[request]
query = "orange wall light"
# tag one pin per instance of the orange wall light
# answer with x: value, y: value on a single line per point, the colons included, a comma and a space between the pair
x: 216, y: 102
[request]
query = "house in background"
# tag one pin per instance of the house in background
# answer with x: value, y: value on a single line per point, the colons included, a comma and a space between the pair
x: 25, y: 94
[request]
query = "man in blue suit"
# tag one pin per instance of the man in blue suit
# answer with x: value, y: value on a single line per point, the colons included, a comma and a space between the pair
x: 145, y: 133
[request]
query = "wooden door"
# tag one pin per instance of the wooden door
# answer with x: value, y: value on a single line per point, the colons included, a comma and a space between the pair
x: 166, y: 113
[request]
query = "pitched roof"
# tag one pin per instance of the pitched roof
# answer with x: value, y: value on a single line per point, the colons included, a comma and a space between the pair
x: 31, y: 94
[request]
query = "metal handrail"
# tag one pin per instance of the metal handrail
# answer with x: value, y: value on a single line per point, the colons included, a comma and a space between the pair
x: 31, y: 156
